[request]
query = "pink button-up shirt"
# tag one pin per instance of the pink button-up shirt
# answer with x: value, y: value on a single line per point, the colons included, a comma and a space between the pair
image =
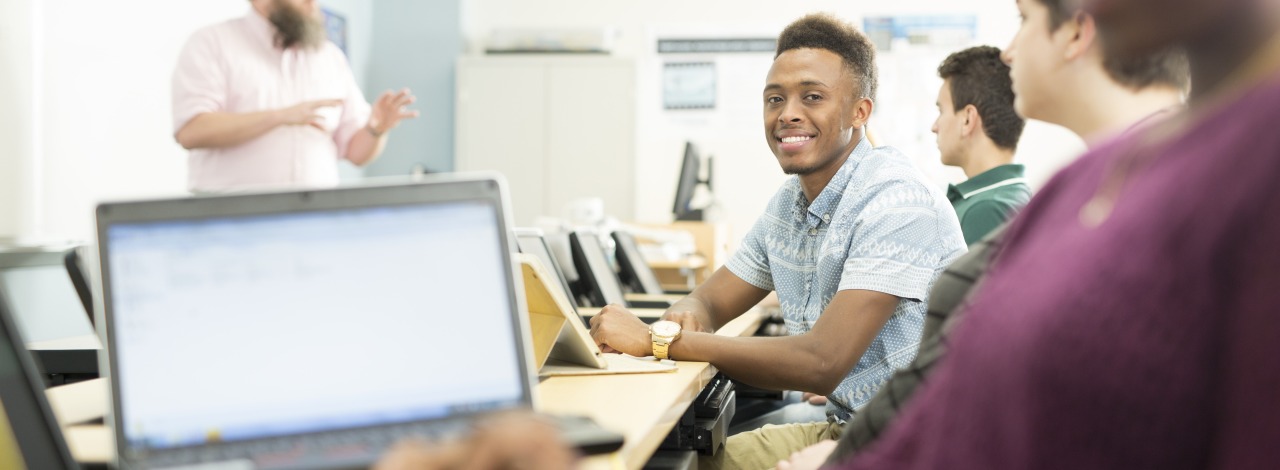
x: 235, y: 67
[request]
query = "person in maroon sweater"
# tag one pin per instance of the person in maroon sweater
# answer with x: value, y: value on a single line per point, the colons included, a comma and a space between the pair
x: 1133, y: 319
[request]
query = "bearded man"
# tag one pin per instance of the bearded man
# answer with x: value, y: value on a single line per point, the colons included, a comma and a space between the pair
x: 265, y: 100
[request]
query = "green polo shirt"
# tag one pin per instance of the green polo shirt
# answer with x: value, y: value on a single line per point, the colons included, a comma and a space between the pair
x: 985, y: 201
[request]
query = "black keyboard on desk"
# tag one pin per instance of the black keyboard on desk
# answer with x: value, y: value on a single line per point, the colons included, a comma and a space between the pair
x: 648, y: 304
x: 704, y: 426
x: 586, y: 320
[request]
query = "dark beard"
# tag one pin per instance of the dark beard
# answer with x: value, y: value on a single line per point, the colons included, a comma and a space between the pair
x: 295, y: 28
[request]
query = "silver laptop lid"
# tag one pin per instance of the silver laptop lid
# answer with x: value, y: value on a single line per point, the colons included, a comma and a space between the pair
x: 245, y: 317
x: 532, y: 241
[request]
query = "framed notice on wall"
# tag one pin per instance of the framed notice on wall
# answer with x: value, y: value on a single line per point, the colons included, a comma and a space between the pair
x: 335, y: 27
x: 689, y: 85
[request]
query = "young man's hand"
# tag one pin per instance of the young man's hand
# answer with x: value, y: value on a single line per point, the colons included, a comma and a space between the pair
x: 516, y: 440
x: 389, y: 109
x: 617, y: 330
x: 687, y: 320
x: 306, y: 114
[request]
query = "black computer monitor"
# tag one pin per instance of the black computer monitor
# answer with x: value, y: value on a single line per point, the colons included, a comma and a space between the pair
x: 632, y: 268
x: 688, y: 183
x: 29, y: 434
x: 596, y: 279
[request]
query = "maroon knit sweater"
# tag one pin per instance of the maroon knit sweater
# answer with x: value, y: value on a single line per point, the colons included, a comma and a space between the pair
x: 1151, y: 341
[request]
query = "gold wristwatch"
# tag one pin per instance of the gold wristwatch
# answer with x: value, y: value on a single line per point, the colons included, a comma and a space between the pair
x: 663, y: 333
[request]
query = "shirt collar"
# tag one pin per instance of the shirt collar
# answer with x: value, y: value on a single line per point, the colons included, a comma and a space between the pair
x: 261, y: 27
x: 999, y: 176
x: 825, y: 204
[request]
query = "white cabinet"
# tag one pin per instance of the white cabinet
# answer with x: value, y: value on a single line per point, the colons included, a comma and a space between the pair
x: 559, y: 128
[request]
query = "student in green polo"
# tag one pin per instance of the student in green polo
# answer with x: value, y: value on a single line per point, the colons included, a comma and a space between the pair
x: 978, y: 131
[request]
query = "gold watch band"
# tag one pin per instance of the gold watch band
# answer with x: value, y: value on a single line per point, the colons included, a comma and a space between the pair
x: 660, y: 349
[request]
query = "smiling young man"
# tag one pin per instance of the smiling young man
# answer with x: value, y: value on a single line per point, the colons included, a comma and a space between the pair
x: 851, y: 244
x: 978, y: 131
x: 1096, y: 95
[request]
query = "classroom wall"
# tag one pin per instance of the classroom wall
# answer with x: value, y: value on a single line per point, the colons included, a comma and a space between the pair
x: 415, y: 45
x: 746, y: 173
x: 17, y: 128
x: 85, y: 93
x: 360, y: 32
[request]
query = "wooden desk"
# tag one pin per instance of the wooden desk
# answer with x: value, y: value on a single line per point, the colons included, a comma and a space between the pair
x: 680, y: 275
x: 643, y: 407
x: 711, y: 243
x: 80, y: 402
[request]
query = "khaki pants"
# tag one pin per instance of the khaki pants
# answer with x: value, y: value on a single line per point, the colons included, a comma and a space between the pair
x: 764, y: 447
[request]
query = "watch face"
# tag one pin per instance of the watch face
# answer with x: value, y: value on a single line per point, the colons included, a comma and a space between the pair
x: 666, y: 328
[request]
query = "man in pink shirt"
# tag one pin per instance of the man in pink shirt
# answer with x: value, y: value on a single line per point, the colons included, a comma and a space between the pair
x: 266, y: 101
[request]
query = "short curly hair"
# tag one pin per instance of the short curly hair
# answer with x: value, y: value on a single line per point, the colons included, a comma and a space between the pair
x: 976, y: 76
x: 1168, y: 67
x: 825, y: 31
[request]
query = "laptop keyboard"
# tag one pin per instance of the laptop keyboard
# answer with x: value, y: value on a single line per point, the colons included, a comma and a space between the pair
x: 584, y: 434
x: 332, y: 449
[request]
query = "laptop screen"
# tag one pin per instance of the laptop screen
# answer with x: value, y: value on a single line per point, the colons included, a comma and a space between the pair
x: 594, y: 268
x: 237, y: 328
x: 45, y: 304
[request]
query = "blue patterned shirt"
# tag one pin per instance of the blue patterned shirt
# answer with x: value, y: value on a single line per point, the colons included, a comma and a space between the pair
x: 876, y: 226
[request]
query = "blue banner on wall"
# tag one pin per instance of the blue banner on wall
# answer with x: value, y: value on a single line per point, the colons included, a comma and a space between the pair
x: 943, y: 30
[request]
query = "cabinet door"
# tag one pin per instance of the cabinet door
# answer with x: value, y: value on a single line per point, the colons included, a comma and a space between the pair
x: 591, y: 110
x: 501, y: 114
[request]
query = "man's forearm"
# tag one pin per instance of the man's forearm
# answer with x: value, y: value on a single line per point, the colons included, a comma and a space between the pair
x: 816, y: 361
x: 719, y: 300
x: 699, y: 310
x: 219, y: 129
x: 778, y: 363
x: 364, y: 147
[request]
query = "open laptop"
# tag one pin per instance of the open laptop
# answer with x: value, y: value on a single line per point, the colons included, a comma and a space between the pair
x: 311, y: 329
x: 532, y: 241
x: 561, y: 344
x: 47, y: 310
x: 29, y: 433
